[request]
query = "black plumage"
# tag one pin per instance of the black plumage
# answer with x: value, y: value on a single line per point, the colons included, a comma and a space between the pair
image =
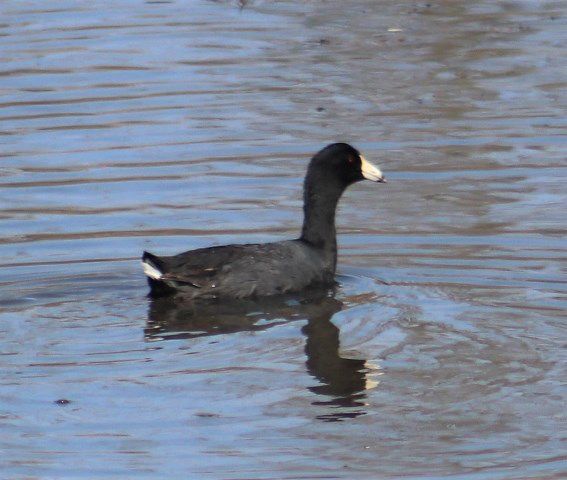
x: 242, y: 271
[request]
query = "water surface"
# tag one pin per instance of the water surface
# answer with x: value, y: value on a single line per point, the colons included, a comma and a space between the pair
x: 175, y: 125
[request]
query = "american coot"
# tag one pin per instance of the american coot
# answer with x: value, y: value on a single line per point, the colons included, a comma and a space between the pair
x: 263, y: 269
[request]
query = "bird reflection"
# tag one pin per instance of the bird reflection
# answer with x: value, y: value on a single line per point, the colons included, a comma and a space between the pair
x: 341, y: 381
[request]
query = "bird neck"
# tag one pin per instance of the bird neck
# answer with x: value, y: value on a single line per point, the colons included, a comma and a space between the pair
x: 320, y: 205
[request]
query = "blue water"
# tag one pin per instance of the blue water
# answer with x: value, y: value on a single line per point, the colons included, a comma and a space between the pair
x: 168, y: 126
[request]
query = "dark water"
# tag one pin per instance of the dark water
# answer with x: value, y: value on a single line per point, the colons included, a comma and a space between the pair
x: 173, y: 125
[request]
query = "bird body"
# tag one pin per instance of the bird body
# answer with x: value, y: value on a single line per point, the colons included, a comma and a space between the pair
x: 258, y: 270
x: 233, y: 271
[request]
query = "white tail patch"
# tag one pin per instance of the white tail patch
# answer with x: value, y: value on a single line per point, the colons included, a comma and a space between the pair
x: 152, y: 271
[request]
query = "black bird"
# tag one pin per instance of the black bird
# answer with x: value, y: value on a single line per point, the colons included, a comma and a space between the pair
x: 263, y: 269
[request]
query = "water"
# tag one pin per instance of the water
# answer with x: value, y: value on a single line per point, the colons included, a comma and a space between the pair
x: 175, y: 125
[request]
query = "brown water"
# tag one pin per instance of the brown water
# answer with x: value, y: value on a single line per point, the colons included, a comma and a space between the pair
x: 174, y: 125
